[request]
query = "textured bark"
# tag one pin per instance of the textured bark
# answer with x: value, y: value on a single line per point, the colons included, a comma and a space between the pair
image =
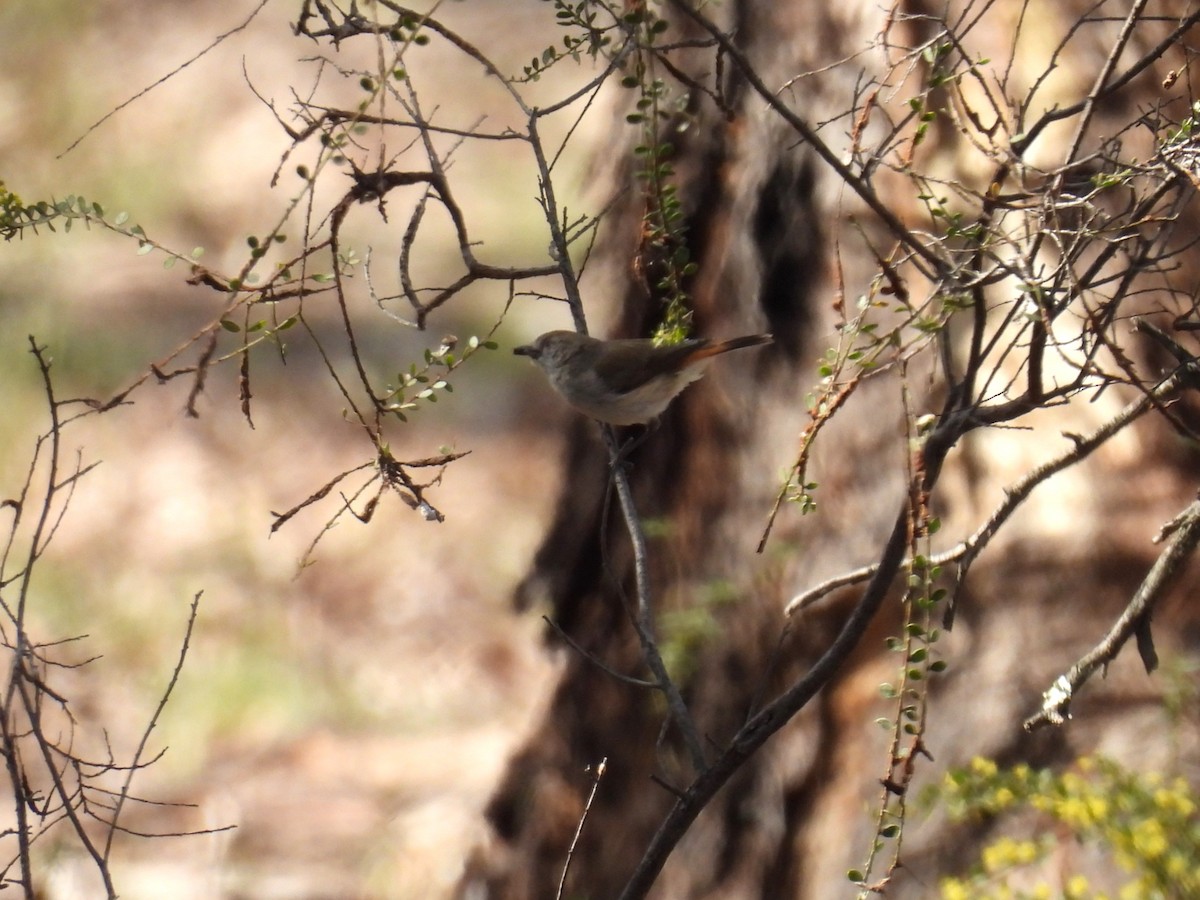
x: 777, y: 239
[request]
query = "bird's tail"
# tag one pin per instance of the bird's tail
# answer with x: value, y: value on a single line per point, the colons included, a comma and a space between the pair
x: 737, y: 343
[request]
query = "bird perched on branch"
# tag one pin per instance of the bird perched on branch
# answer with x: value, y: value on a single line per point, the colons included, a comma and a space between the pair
x: 627, y: 381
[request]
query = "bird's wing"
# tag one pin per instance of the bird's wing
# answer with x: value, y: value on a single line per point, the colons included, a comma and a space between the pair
x: 641, y: 362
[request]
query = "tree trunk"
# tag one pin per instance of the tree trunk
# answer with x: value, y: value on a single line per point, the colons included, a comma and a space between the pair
x: 783, y: 246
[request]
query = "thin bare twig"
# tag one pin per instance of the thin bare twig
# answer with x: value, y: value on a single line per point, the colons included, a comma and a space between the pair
x: 587, y: 808
x: 1133, y: 621
x: 135, y: 762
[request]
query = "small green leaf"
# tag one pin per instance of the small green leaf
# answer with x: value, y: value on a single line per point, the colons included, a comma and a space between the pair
x: 230, y: 325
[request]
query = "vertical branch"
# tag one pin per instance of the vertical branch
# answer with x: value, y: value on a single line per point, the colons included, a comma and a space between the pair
x: 20, y: 798
x: 642, y: 616
x: 43, y: 514
x: 30, y: 702
x: 561, y: 247
x: 25, y: 687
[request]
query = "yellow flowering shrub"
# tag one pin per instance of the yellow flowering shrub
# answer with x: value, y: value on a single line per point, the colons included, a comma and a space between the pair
x: 1149, y: 824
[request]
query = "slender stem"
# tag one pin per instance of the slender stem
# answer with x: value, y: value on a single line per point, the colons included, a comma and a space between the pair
x: 642, y: 616
x: 587, y: 808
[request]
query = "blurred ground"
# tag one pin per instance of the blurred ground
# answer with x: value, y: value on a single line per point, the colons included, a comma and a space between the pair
x: 349, y: 718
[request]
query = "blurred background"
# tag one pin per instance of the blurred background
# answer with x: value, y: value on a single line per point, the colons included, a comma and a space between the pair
x: 351, y: 695
x: 349, y: 717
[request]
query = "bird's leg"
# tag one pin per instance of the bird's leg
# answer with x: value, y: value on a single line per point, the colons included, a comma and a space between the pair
x: 631, y: 443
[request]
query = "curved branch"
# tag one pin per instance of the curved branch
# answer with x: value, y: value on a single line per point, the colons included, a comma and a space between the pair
x: 1134, y: 621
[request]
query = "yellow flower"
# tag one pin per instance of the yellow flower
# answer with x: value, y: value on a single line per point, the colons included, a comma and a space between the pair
x: 1097, y: 807
x: 1179, y: 867
x: 1149, y: 839
x: 985, y: 767
x: 1175, y: 799
x: 1075, y: 811
x: 1006, y: 853
x: 1076, y: 886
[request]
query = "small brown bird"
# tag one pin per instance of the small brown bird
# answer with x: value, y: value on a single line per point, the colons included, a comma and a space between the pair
x: 628, y: 381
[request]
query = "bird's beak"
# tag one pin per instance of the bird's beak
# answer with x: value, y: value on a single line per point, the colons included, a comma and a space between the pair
x: 526, y: 350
